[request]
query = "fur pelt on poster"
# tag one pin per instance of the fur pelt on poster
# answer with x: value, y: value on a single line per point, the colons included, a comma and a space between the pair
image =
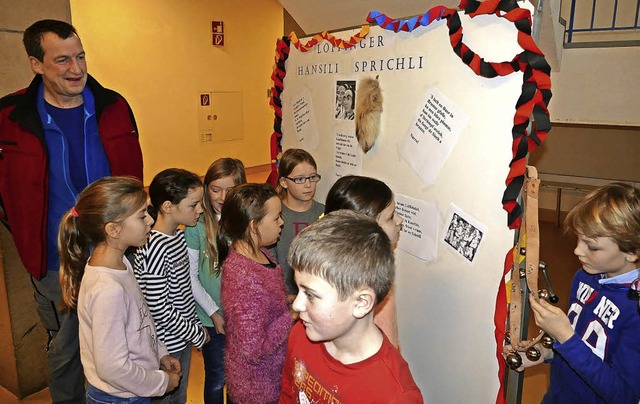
x: 368, y: 110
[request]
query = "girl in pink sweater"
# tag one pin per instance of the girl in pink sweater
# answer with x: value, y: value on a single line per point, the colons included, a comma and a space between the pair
x: 253, y: 294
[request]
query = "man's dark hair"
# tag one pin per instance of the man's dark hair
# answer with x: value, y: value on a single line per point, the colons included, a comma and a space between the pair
x: 32, y: 38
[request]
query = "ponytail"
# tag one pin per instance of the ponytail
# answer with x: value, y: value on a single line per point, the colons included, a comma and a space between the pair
x: 153, y: 212
x: 74, y: 253
x: 107, y: 200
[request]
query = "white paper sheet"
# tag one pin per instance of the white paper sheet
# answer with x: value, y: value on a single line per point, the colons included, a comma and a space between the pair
x: 463, y: 234
x: 347, y: 152
x: 304, y: 121
x: 419, y: 236
x: 432, y: 135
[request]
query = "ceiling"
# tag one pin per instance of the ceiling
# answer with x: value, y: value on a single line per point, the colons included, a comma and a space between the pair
x: 330, y: 15
x: 314, y: 16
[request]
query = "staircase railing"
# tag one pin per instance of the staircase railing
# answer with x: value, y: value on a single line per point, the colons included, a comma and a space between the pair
x: 604, y: 16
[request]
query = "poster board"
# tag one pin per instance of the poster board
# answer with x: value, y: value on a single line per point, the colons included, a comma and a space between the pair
x: 445, y: 301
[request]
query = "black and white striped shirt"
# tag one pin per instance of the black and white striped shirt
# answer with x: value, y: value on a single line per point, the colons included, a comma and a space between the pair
x: 162, y: 270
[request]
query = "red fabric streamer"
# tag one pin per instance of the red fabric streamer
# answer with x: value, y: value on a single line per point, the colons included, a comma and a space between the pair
x: 335, y: 41
x: 278, y: 75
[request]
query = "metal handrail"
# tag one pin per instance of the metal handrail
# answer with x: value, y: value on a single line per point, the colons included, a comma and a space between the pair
x: 575, y: 27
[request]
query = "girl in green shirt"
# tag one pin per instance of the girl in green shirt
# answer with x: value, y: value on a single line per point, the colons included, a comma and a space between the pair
x: 222, y: 175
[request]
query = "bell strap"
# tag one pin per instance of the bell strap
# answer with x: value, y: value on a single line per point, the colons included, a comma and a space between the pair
x: 529, y: 245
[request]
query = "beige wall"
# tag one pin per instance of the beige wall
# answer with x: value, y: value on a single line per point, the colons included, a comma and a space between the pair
x: 22, y: 337
x: 591, y: 151
x: 597, y: 86
x: 160, y: 56
x: 15, y: 72
x: 580, y: 155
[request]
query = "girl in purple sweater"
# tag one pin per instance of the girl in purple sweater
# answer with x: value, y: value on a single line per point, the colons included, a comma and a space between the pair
x: 253, y: 294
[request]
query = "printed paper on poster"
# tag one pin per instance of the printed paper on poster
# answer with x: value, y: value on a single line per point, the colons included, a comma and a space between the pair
x: 433, y: 135
x: 304, y: 121
x: 463, y: 234
x: 347, y: 152
x: 419, y: 235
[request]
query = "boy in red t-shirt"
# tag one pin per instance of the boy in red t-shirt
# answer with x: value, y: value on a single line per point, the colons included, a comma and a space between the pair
x: 344, y: 266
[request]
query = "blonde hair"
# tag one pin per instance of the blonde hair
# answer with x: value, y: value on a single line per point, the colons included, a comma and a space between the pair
x: 221, y: 168
x: 107, y: 200
x: 609, y: 211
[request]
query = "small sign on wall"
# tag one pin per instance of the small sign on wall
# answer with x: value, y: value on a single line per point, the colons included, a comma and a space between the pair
x: 217, y: 27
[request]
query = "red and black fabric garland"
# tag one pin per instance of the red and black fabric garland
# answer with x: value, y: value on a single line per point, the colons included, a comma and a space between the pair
x: 279, y: 72
x: 536, y: 88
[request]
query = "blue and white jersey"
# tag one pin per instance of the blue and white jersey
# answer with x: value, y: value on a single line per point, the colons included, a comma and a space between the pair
x: 601, y: 362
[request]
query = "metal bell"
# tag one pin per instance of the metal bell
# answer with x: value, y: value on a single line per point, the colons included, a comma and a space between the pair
x: 543, y: 294
x: 533, y: 353
x: 507, y: 338
x: 514, y: 361
x: 546, y: 341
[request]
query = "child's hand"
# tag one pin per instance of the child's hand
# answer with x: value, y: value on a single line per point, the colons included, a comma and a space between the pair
x: 218, y: 322
x: 170, y: 364
x: 551, y: 319
x: 174, y: 380
x: 207, y: 337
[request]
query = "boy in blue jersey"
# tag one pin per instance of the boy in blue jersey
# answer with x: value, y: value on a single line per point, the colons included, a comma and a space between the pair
x: 596, y: 355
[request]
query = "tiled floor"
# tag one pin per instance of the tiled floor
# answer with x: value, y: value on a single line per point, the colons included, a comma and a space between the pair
x: 258, y: 174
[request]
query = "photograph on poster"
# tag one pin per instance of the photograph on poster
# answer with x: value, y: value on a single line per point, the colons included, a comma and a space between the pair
x: 345, y: 100
x: 463, y: 234
x: 420, y: 220
x: 432, y: 135
x: 347, y: 153
x: 304, y: 120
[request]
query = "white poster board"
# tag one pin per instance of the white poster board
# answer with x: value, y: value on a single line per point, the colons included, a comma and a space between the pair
x: 445, y: 305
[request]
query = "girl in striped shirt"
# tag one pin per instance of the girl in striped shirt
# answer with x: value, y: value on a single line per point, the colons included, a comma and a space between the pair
x: 162, y: 269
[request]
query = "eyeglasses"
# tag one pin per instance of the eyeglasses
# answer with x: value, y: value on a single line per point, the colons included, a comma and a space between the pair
x: 302, y: 180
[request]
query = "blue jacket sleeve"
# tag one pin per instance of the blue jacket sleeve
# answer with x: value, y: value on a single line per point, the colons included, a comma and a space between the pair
x: 615, y: 382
